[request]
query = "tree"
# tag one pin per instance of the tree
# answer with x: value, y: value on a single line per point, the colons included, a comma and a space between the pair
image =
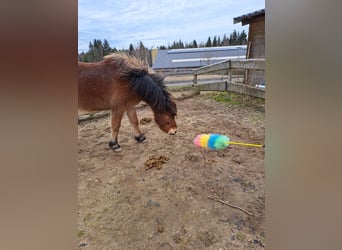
x: 179, y: 44
x: 225, y: 40
x: 233, y: 39
x: 131, y: 49
x: 242, y: 39
x: 106, y: 48
x: 208, y: 44
x: 143, y: 53
x: 194, y: 44
x: 214, y: 41
x: 201, y: 45
x: 83, y: 57
x: 96, y: 51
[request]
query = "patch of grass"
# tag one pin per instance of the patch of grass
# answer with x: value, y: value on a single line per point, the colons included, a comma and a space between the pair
x: 231, y: 98
x: 240, y: 236
x: 87, y: 217
x: 80, y: 233
x: 227, y: 98
x: 256, y: 119
x: 247, y: 186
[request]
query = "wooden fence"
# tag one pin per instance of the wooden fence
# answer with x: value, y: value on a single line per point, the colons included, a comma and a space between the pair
x: 227, y: 68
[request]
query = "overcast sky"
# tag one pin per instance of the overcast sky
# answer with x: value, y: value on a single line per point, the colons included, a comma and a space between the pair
x: 157, y: 23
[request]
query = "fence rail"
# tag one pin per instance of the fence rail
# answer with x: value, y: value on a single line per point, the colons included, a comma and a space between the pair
x: 227, y: 67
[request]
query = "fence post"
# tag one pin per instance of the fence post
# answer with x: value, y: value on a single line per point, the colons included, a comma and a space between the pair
x: 194, y: 80
x: 230, y: 75
x: 230, y: 72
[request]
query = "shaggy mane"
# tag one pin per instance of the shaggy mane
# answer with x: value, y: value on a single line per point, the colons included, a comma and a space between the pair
x: 147, y: 84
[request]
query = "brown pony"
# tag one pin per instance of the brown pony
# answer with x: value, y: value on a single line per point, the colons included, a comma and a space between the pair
x: 119, y: 83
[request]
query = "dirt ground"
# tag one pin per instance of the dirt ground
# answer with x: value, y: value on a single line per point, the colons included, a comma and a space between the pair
x: 168, y: 193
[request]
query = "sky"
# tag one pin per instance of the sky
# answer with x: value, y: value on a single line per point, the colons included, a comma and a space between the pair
x: 156, y: 23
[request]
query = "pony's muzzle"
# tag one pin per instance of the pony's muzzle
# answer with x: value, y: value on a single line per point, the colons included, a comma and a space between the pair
x: 172, y: 131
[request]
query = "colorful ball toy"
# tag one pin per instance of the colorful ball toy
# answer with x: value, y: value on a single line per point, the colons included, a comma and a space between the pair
x: 217, y: 142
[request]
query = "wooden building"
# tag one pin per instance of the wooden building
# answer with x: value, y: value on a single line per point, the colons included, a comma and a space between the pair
x: 256, y: 42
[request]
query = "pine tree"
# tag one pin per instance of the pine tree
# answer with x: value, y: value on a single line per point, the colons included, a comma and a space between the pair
x: 201, y: 45
x: 194, y: 44
x: 140, y: 51
x: 180, y: 44
x: 214, y: 41
x: 225, y: 40
x: 83, y: 57
x: 233, y: 39
x: 106, y: 48
x: 242, y: 38
x: 131, y: 49
x: 208, y: 44
x: 96, y: 50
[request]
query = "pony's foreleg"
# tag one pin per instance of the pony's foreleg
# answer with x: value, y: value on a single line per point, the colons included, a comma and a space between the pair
x: 115, y: 125
x: 132, y: 116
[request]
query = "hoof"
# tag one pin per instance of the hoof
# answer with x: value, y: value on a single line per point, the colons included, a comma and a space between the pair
x: 115, y: 146
x: 117, y: 149
x: 140, y: 138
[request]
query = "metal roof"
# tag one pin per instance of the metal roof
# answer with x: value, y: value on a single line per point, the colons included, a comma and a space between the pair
x: 245, y: 19
x: 197, y: 57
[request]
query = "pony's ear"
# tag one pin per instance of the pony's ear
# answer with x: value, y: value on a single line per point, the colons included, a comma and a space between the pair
x: 157, y: 77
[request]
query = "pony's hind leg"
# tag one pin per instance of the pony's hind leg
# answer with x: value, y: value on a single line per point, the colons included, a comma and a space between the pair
x: 132, y: 116
x: 115, y: 125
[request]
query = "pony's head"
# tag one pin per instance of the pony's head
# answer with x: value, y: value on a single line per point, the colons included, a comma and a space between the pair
x: 164, y: 113
x: 166, y: 122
